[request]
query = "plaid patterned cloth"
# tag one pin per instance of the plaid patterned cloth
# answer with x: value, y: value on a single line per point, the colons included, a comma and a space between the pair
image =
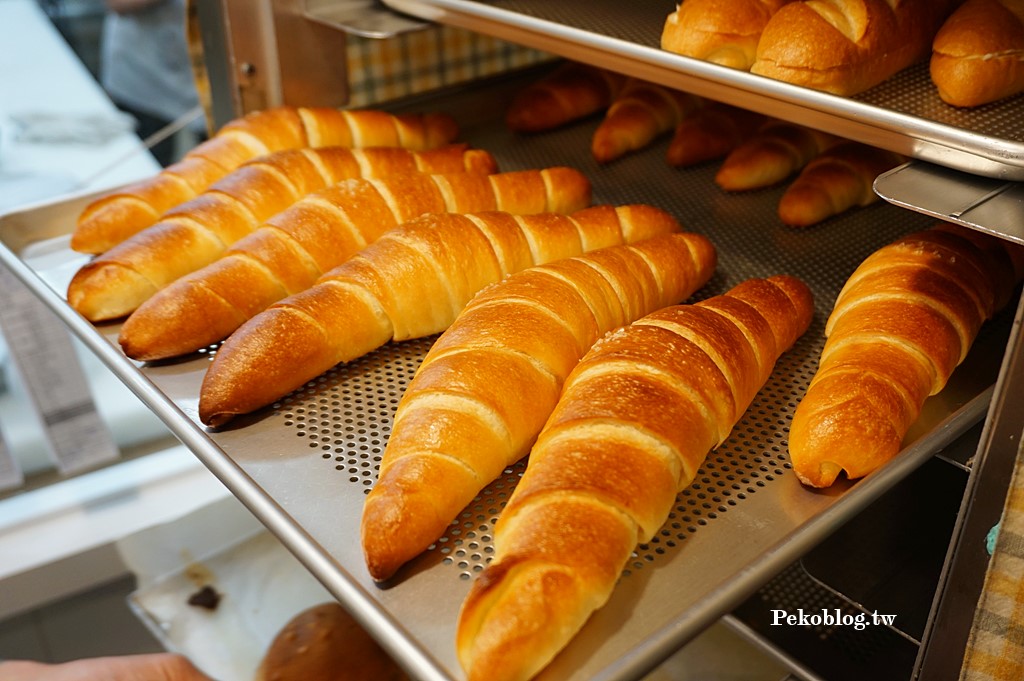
x: 419, y: 61
x: 995, y: 649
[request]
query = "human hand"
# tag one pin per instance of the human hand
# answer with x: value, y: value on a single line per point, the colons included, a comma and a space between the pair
x: 149, y: 667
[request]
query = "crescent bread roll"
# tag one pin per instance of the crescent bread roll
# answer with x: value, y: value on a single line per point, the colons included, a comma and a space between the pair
x: 841, y: 178
x: 904, y: 320
x: 710, y: 133
x: 199, y: 231
x: 325, y: 643
x: 294, y: 248
x: 635, y: 420
x: 114, y: 217
x: 640, y: 113
x: 775, y: 152
x: 721, y: 32
x: 978, y: 54
x: 489, y: 382
x: 568, y: 93
x: 410, y: 283
x: 847, y: 46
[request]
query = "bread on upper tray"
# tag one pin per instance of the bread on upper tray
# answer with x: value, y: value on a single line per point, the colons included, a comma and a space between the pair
x: 117, y: 215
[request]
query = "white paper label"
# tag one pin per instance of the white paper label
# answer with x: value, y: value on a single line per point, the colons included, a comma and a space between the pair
x: 44, y: 356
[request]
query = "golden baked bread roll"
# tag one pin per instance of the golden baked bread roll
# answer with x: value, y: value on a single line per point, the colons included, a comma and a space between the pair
x: 639, y: 114
x: 777, y: 151
x: 724, y: 32
x: 568, y: 93
x: 294, y: 248
x: 115, y: 216
x: 115, y: 283
x: 410, y: 283
x: 904, y: 320
x: 484, y: 390
x: 325, y: 643
x: 978, y: 54
x: 635, y: 420
x: 842, y: 177
x: 847, y: 46
x: 710, y: 133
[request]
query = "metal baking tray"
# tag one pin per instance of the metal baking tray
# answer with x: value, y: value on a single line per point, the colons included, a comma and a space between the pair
x: 903, y: 114
x: 304, y: 465
x: 983, y: 203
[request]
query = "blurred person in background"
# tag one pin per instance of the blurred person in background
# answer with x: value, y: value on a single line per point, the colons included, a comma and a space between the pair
x: 146, y: 69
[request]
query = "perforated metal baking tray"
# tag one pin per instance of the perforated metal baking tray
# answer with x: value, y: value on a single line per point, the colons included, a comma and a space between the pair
x: 904, y: 114
x: 304, y: 465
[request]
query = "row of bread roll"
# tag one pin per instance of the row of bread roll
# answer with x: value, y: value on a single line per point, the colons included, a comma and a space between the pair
x: 758, y: 152
x: 976, y: 47
x: 487, y: 385
x: 197, y: 232
x: 409, y: 283
x: 291, y: 250
x: 117, y: 215
x: 842, y: 47
x: 831, y: 175
x: 635, y: 419
x: 634, y: 112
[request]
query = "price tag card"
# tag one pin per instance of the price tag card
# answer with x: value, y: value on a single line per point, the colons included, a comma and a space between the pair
x: 44, y: 356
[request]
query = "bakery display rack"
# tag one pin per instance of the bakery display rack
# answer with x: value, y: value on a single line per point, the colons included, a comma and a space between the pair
x: 903, y: 114
x: 303, y: 465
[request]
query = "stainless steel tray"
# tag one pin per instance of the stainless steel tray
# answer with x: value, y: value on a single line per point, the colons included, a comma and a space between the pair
x: 903, y: 114
x: 303, y: 466
x: 983, y: 203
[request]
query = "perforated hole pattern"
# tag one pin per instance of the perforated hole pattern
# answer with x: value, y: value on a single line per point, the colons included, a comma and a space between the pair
x: 346, y: 414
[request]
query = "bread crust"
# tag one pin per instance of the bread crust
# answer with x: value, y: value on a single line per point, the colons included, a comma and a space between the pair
x: 502, y: 363
x: 118, y: 215
x: 840, y: 178
x: 411, y: 282
x: 903, y: 322
x: 199, y: 231
x: 845, y: 47
x: 978, y: 54
x: 635, y: 420
x: 724, y: 33
x: 568, y: 93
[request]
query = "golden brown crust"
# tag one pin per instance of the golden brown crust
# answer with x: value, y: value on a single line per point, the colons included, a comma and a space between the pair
x: 502, y: 364
x: 198, y: 231
x: 847, y: 46
x: 711, y: 133
x: 570, y: 92
x: 978, y: 54
x: 840, y: 178
x: 774, y: 153
x: 903, y: 322
x: 639, y: 114
x: 411, y: 282
x: 325, y: 643
x: 115, y: 217
x: 724, y: 33
x: 635, y: 419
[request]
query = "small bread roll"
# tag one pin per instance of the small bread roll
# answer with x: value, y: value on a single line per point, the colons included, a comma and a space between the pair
x: 324, y: 643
